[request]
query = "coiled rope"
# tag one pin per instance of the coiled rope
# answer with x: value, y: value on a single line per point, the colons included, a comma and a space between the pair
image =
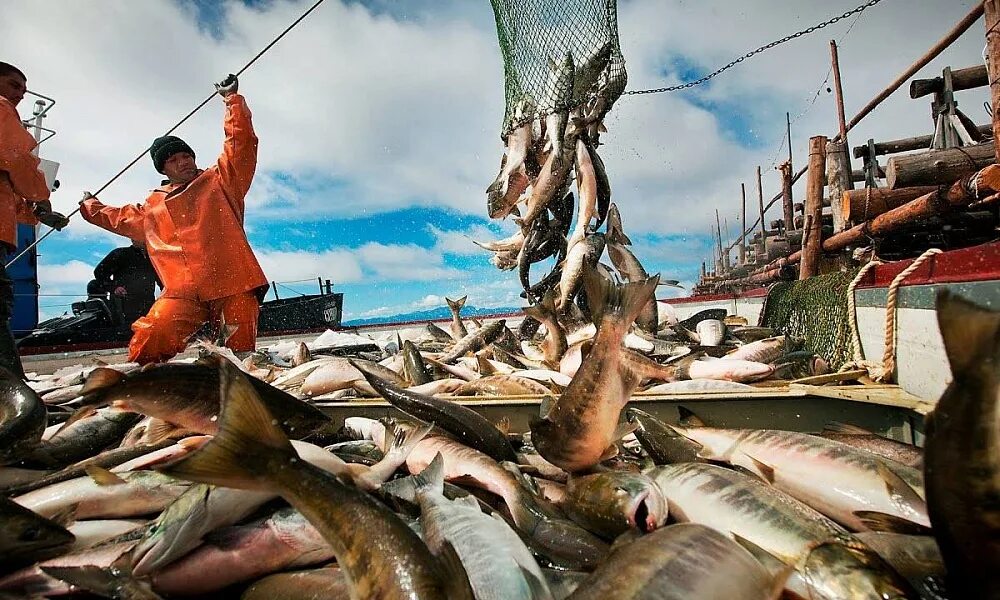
x: 883, y: 372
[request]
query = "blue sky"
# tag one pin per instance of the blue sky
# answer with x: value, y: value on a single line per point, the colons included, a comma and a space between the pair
x: 378, y: 124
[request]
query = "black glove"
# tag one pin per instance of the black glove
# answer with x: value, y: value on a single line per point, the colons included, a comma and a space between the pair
x: 53, y: 219
x: 228, y: 86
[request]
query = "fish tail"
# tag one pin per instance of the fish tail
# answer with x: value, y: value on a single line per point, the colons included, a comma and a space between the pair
x: 607, y: 298
x: 456, y: 305
x: 248, y: 443
x: 115, y: 581
x: 432, y: 477
x: 404, y: 441
x: 969, y: 331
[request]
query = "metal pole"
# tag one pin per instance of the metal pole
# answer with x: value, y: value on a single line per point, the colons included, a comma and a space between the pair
x: 760, y: 200
x: 788, y: 131
x: 274, y: 286
x: 743, y: 226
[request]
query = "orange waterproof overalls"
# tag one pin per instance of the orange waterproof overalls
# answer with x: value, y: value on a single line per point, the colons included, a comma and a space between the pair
x: 21, y: 183
x: 196, y: 242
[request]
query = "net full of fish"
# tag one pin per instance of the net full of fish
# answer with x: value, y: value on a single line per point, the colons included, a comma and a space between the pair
x: 202, y: 478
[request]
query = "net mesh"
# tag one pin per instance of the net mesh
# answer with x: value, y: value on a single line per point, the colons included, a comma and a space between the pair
x: 536, y: 38
x: 814, y: 310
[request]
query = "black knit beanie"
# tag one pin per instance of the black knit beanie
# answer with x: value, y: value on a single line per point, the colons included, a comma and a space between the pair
x: 165, y: 147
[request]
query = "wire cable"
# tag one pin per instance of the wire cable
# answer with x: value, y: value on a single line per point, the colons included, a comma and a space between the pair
x: 172, y: 129
x: 752, y: 53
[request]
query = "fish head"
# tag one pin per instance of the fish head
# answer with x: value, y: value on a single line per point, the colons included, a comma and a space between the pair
x: 642, y: 503
x: 837, y: 569
x: 29, y: 537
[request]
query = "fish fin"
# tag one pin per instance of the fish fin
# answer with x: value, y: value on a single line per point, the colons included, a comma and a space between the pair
x: 609, y: 453
x: 432, y: 477
x: 101, y: 378
x: 897, y: 488
x: 456, y: 305
x: 66, y: 516
x: 485, y: 368
x: 537, y: 586
x: 503, y: 425
x: 82, y: 413
x: 102, y: 476
x: 771, y: 563
x: 606, y: 297
x: 454, y: 575
x: 763, y: 470
x: 249, y: 438
x: 115, y: 581
x: 404, y: 441
x: 966, y: 328
x: 687, y: 418
x: 158, y: 430
x: 886, y: 523
x: 845, y: 428
x: 526, y: 482
x: 545, y: 406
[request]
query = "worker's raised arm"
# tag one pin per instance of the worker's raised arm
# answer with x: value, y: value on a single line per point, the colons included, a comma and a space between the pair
x: 238, y: 161
x: 126, y: 220
x: 16, y: 160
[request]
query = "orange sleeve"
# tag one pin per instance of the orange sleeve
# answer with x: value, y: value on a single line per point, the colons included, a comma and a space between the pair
x: 239, y: 152
x: 126, y: 220
x: 16, y: 159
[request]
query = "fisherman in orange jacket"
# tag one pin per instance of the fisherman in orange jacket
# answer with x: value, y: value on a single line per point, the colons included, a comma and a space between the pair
x: 24, y: 198
x: 193, y: 228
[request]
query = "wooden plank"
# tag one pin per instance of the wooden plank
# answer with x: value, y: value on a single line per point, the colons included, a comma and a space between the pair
x: 961, y: 79
x: 938, y: 167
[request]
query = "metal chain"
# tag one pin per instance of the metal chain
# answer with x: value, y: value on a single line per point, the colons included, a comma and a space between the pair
x: 753, y: 53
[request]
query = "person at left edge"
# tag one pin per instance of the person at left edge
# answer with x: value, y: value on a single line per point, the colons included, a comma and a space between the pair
x: 193, y: 229
x: 24, y: 198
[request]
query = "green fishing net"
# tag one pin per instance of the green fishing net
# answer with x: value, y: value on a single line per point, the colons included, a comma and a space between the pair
x: 814, y: 310
x: 537, y: 36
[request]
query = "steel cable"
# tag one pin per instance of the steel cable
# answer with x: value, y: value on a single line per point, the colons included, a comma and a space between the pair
x: 174, y: 128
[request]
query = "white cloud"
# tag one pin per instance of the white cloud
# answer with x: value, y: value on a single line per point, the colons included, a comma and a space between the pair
x: 73, y: 272
x: 429, y: 301
x: 405, y: 262
x: 360, y: 112
x: 341, y: 266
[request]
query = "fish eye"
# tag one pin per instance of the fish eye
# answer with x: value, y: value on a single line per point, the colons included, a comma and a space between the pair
x: 31, y: 534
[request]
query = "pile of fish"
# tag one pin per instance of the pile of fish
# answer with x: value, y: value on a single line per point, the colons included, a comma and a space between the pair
x: 221, y: 477
x: 550, y: 141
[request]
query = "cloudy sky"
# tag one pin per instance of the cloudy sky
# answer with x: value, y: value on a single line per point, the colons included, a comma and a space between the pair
x: 379, y: 120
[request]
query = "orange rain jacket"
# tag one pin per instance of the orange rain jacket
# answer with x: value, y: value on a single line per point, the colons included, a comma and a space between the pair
x: 21, y: 183
x: 194, y: 233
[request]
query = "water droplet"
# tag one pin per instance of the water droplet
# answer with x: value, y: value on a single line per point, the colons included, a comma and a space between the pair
x: 214, y: 418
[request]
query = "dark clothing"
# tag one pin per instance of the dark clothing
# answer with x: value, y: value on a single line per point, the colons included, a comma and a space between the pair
x: 9, y: 358
x: 129, y: 268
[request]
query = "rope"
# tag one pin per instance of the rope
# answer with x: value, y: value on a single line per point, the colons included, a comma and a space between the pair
x: 884, y: 371
x: 172, y: 129
x: 889, y: 356
x: 859, y: 361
